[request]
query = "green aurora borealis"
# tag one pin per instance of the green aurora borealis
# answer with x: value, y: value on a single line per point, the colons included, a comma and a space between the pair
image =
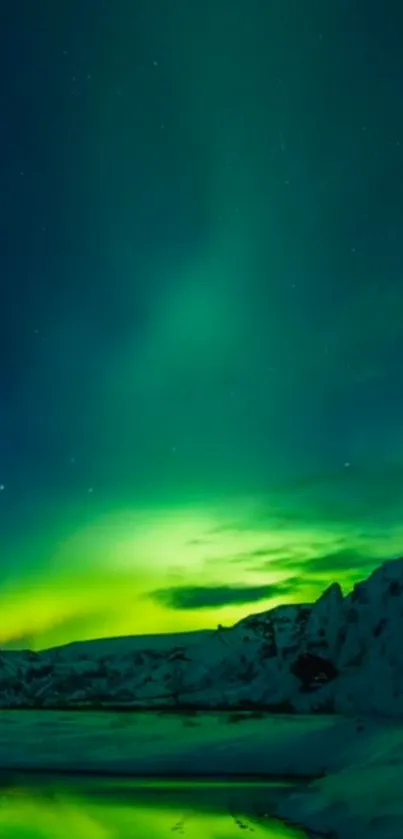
x: 202, y: 341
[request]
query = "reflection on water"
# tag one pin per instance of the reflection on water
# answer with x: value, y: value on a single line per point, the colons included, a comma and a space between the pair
x: 93, y: 809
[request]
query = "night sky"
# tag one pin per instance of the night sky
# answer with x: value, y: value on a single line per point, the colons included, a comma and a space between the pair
x: 201, y: 343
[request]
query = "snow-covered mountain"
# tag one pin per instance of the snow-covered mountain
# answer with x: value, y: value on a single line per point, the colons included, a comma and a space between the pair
x: 340, y: 654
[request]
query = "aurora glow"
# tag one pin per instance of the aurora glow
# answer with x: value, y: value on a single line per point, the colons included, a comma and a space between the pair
x: 133, y: 810
x: 201, y: 340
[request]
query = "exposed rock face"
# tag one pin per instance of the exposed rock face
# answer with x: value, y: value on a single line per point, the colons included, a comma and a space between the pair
x: 313, y: 670
x: 336, y: 655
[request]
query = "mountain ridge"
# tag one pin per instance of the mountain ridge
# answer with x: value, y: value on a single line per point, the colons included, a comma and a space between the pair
x: 340, y: 654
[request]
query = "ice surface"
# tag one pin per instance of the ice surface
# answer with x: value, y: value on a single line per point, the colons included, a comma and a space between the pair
x: 361, y: 759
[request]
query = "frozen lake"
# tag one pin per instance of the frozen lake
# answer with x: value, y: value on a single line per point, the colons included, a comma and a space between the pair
x: 162, y: 744
x: 118, y: 775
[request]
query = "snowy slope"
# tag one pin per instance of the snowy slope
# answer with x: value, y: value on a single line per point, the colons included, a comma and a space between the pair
x: 341, y: 655
x: 128, y: 643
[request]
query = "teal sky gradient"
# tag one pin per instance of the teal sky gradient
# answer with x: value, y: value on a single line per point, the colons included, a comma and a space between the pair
x: 202, y: 331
